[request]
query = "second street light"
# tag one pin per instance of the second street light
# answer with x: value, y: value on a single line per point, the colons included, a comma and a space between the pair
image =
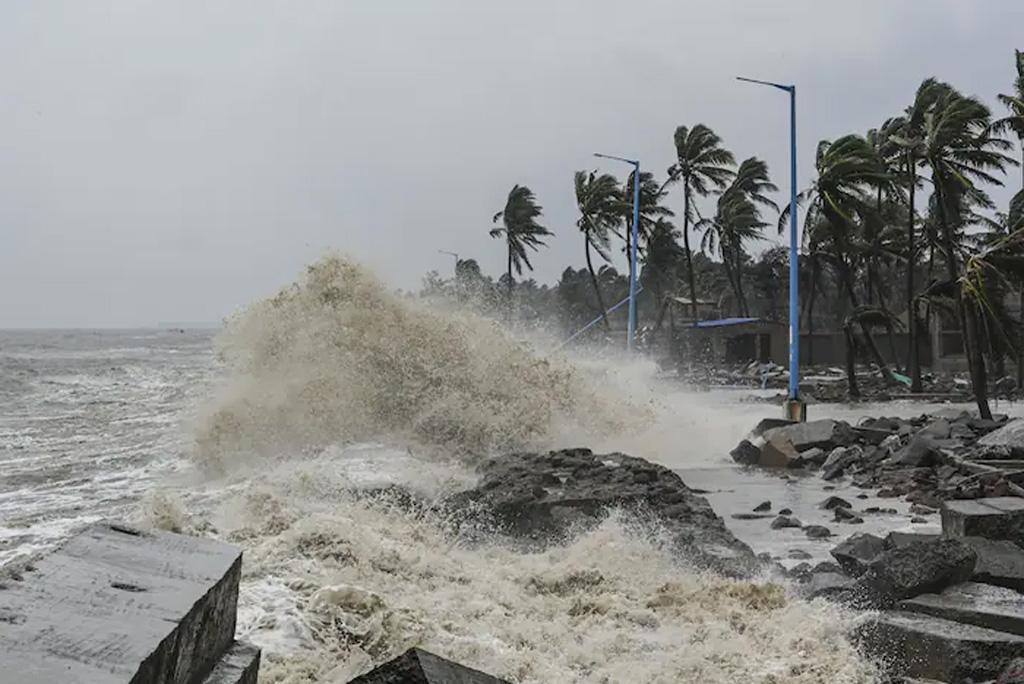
x: 631, y: 324
x: 795, y: 408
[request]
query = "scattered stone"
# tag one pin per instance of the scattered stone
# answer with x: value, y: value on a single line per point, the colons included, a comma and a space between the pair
x: 540, y: 498
x: 918, y: 520
x: 750, y: 516
x: 767, y: 424
x: 746, y: 453
x: 839, y: 460
x: 800, y: 572
x: 915, y: 645
x: 814, y: 456
x: 835, y: 502
x: 862, y: 495
x: 922, y: 451
x: 778, y: 452
x: 872, y: 435
x: 417, y: 666
x: 763, y: 506
x: 899, y: 540
x: 799, y: 554
x: 847, y: 515
x: 828, y: 566
x: 937, y: 429
x: 982, y: 605
x: 854, y: 554
x: 785, y: 511
x: 916, y: 569
x: 992, y: 518
x: 784, y: 521
x: 921, y: 509
x: 817, y: 532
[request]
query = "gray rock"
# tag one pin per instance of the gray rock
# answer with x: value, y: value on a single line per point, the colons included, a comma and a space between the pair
x: 767, y: 424
x: 982, y: 605
x: 785, y: 511
x: 751, y: 516
x: 117, y: 604
x: 817, y: 532
x: 910, y: 571
x: 846, y: 515
x: 799, y: 554
x: 833, y: 502
x: 992, y: 518
x: 828, y: 566
x: 839, y: 460
x: 854, y: 554
x: 541, y: 498
x: 937, y: 429
x: 1000, y: 563
x: 763, y: 506
x: 778, y: 452
x: 872, y: 435
x: 746, y: 453
x: 899, y: 540
x: 417, y: 666
x: 1011, y: 434
x: 922, y: 451
x: 823, y: 434
x: 784, y: 521
x: 915, y: 645
x: 814, y: 456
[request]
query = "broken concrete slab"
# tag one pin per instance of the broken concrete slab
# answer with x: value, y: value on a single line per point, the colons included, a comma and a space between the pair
x: 982, y: 605
x: 1000, y: 563
x: 115, y: 604
x: 916, y: 645
x: 240, y: 665
x: 779, y: 452
x: 897, y: 540
x: 417, y: 666
x: 992, y: 518
x: 1011, y: 435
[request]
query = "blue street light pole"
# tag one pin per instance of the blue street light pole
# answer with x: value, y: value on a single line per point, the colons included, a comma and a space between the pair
x: 795, y: 408
x: 631, y: 324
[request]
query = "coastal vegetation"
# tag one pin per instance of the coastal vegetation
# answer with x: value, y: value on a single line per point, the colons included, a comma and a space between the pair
x: 898, y: 231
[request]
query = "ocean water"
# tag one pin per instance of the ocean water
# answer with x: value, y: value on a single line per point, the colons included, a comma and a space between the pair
x: 260, y: 434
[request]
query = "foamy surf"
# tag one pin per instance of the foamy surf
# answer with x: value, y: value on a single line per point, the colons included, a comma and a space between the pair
x: 335, y: 583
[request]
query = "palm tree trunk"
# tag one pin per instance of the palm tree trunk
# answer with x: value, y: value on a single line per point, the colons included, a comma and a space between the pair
x: 914, y: 361
x: 593, y: 281
x: 968, y: 317
x: 1020, y: 297
x: 865, y: 329
x: 738, y: 268
x: 851, y: 370
x: 732, y: 279
x: 686, y: 245
x: 509, y: 314
x: 810, y: 310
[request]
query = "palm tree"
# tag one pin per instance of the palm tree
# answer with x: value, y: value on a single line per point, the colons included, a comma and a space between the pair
x: 738, y: 220
x: 961, y: 149
x: 702, y: 165
x: 598, y: 198
x: 651, y: 209
x: 1015, y: 123
x: 520, y: 229
x: 838, y: 205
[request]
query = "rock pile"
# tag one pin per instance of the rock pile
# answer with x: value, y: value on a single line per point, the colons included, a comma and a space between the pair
x: 929, y: 459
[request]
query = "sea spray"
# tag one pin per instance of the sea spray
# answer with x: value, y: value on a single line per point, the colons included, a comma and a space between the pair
x: 335, y: 582
x: 337, y: 357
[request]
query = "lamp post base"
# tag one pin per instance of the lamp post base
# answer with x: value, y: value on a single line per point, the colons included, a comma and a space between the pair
x: 795, y: 410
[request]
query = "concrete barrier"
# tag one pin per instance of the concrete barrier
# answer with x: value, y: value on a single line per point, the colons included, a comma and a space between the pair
x: 116, y: 604
x: 417, y: 666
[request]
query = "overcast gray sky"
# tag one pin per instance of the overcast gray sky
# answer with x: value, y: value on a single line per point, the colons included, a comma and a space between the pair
x: 174, y: 160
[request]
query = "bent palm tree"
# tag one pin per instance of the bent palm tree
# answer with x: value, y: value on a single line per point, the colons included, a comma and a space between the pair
x: 960, y: 149
x: 598, y: 200
x: 520, y: 229
x: 1015, y: 122
x: 702, y: 165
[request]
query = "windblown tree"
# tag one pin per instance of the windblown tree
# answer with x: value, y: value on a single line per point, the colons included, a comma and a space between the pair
x: 962, y: 150
x: 662, y: 262
x: 651, y: 209
x: 521, y: 231
x: 702, y: 165
x: 1014, y: 122
x: 839, y: 203
x: 598, y: 198
x: 737, y: 221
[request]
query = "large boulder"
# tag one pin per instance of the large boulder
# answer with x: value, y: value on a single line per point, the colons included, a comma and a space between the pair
x: 542, y: 497
x: 909, y: 571
x: 824, y: 434
x: 778, y: 452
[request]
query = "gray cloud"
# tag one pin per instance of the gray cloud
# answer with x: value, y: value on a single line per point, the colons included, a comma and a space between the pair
x: 172, y: 161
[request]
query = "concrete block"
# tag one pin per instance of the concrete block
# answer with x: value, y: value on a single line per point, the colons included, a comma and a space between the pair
x: 115, y: 604
x: 992, y: 518
x: 999, y: 562
x: 916, y: 645
x: 975, y: 604
x: 417, y: 666
x: 239, y: 665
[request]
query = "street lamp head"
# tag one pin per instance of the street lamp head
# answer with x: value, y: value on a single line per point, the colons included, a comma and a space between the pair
x: 780, y: 86
x: 621, y: 159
